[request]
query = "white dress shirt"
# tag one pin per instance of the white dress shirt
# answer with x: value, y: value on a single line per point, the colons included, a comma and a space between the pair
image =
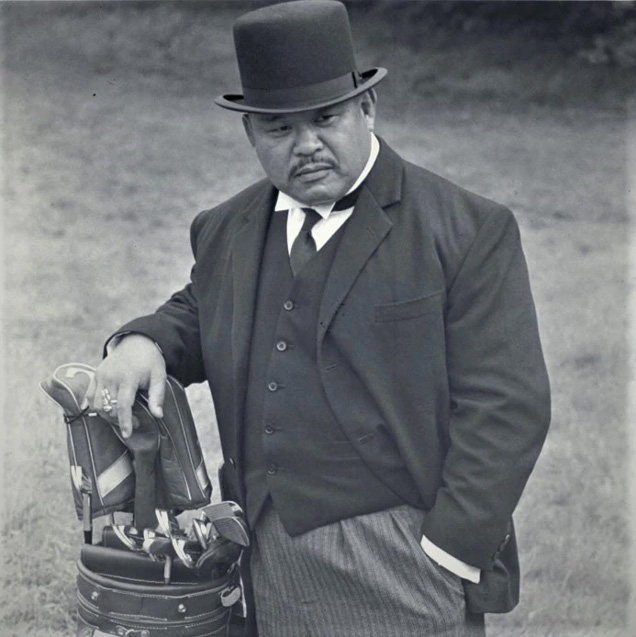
x: 331, y: 220
x: 321, y: 232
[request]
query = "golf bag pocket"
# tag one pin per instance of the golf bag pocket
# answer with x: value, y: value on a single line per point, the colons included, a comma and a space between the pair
x: 102, y: 475
x: 106, y: 468
x: 123, y: 593
x: 182, y: 480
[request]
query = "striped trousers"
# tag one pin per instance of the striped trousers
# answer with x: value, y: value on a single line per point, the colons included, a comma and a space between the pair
x: 365, y: 576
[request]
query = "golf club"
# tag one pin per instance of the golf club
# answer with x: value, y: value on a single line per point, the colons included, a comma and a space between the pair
x: 218, y: 558
x: 227, y: 518
x: 200, y: 530
x: 82, y: 484
x: 161, y: 548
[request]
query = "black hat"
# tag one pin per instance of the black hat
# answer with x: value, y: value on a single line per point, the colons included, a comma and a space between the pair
x: 296, y: 56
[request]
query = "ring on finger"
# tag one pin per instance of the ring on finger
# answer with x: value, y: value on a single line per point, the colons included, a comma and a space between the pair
x: 108, y: 407
x: 107, y: 402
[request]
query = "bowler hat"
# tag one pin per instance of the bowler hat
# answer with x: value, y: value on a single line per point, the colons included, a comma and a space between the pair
x: 296, y: 56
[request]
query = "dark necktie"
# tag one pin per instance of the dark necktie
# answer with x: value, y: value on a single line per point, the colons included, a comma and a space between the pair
x: 304, y: 246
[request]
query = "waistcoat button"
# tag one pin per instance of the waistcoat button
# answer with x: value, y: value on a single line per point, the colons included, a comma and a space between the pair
x: 272, y: 469
x: 281, y: 346
x: 288, y: 305
x: 269, y: 429
x: 273, y: 386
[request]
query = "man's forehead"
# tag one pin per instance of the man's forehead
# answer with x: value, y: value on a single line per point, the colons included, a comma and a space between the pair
x: 302, y: 115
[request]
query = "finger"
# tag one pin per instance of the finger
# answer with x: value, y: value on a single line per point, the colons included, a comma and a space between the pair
x: 156, y: 393
x: 102, y: 383
x: 125, y: 401
x: 96, y: 401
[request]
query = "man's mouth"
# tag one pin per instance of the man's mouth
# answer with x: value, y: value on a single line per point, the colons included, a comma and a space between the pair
x: 310, y: 170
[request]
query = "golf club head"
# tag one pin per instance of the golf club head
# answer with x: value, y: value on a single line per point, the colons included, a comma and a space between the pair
x: 185, y: 551
x: 200, y: 530
x: 166, y: 524
x: 158, y: 545
x: 233, y: 529
x: 228, y: 521
x: 159, y: 548
x: 219, y: 556
x: 211, y: 533
x: 128, y: 536
x: 223, y: 509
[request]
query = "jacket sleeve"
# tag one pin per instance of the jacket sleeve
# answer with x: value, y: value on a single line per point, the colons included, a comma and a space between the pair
x: 174, y: 326
x: 499, y: 396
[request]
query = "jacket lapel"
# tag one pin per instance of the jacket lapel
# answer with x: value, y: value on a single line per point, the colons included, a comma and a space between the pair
x: 363, y: 232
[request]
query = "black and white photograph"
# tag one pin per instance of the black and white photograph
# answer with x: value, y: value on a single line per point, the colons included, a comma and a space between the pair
x: 318, y: 318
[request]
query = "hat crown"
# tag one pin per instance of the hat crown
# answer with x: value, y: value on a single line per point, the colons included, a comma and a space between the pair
x: 296, y: 56
x: 294, y: 44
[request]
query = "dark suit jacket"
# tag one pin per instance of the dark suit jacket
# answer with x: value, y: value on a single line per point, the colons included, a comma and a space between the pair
x: 427, y: 340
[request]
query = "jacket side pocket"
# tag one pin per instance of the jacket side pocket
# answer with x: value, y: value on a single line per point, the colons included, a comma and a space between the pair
x: 404, y: 310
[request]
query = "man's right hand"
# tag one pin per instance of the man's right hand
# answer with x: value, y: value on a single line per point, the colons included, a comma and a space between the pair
x: 134, y: 363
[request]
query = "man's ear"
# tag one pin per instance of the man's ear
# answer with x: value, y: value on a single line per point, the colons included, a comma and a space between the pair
x: 247, y: 125
x: 367, y: 104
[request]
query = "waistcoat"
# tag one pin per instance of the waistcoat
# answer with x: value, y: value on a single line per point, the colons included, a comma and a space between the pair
x: 294, y: 449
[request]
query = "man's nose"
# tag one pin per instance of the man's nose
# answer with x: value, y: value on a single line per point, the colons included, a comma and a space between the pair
x: 307, y: 141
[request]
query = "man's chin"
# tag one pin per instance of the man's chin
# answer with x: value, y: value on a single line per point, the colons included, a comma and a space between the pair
x: 316, y: 192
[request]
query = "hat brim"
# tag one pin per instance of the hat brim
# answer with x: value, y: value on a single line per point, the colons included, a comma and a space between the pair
x: 237, y: 102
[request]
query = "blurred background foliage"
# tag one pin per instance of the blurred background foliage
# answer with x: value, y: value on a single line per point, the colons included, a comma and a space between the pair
x: 600, y: 32
x: 529, y: 52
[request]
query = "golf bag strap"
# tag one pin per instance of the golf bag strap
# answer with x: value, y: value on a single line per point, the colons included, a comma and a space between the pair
x: 144, y: 447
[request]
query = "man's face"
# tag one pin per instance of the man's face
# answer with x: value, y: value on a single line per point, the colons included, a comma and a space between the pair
x: 314, y: 156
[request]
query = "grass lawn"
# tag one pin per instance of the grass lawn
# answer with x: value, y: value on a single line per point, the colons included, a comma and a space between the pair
x: 111, y: 144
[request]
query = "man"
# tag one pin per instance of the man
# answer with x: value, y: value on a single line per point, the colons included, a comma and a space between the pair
x: 370, y: 341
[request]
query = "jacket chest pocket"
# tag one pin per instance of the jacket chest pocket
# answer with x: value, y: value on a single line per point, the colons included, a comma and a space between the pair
x: 409, y: 309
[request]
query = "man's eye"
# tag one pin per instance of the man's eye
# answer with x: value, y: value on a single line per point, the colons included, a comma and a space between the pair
x: 326, y: 119
x: 279, y: 130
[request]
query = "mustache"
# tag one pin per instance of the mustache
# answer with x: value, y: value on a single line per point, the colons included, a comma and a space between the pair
x: 313, y: 163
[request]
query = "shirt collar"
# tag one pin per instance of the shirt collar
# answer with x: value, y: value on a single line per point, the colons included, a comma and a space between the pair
x: 285, y: 202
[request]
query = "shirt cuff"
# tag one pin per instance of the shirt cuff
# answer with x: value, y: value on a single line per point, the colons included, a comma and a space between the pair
x: 459, y: 568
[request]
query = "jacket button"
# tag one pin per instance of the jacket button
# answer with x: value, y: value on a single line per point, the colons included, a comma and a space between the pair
x: 272, y: 469
x: 273, y: 386
x: 269, y: 429
x: 281, y: 346
x: 288, y: 305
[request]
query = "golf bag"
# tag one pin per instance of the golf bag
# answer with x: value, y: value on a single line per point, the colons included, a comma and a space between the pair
x: 124, y: 593
x: 150, y: 578
x: 160, y: 466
